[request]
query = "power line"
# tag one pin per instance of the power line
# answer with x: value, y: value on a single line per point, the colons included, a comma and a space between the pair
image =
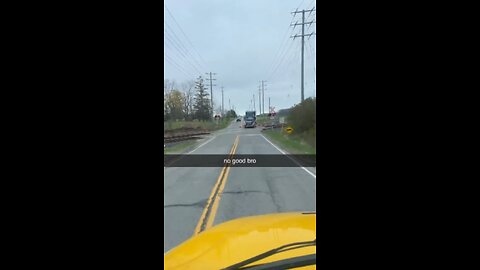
x: 180, y: 61
x: 281, y: 52
x: 281, y: 60
x: 179, y: 46
x: 288, y: 66
x: 287, y: 62
x: 285, y: 52
x: 174, y: 38
x: 310, y: 3
x: 312, y: 56
x: 188, y: 40
x: 176, y: 66
x: 282, y: 45
x: 312, y: 52
x: 180, y: 55
x: 187, y: 53
x: 300, y: 4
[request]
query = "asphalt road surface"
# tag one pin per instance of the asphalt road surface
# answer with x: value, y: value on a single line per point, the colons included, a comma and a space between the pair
x: 197, y: 198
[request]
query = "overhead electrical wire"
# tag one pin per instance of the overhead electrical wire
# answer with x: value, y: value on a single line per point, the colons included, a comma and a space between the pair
x: 186, y: 38
x: 280, y: 62
x: 290, y: 62
x: 177, y: 66
x: 175, y: 43
x: 284, y: 43
x: 286, y: 37
x: 177, y: 55
x: 182, y: 62
x: 185, y: 50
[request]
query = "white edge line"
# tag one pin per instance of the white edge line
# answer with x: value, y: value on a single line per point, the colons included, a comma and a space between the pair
x: 192, y: 151
x: 305, y: 169
x: 201, y: 145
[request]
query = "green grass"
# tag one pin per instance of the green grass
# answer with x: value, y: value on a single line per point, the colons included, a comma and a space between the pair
x: 179, y: 148
x: 262, y: 120
x: 292, y: 143
x: 208, y: 125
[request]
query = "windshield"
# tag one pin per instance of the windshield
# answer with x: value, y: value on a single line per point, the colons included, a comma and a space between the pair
x: 239, y: 113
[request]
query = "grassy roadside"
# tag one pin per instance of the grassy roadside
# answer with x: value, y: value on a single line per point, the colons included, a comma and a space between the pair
x: 179, y: 148
x: 263, y: 120
x: 208, y: 125
x: 294, y: 144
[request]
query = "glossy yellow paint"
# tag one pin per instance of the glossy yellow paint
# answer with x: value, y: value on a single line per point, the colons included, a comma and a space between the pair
x: 241, y: 239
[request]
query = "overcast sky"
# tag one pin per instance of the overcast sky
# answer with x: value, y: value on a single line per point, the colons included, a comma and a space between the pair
x: 243, y: 42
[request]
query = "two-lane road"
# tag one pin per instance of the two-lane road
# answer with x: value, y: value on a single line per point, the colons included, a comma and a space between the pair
x: 199, y: 197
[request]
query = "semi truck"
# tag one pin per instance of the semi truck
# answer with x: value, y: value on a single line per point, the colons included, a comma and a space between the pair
x: 250, y: 119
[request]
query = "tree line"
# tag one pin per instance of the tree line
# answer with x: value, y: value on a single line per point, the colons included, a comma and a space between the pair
x: 188, y: 101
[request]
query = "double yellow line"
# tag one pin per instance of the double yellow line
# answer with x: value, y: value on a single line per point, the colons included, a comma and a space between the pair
x: 210, y: 211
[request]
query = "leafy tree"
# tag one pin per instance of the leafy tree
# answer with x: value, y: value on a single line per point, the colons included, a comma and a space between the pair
x: 165, y: 107
x: 231, y: 114
x: 175, y: 105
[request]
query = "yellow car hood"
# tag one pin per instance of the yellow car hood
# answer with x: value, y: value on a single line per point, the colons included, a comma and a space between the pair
x: 240, y: 239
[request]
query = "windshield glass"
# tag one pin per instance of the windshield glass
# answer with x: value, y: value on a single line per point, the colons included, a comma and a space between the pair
x: 239, y: 115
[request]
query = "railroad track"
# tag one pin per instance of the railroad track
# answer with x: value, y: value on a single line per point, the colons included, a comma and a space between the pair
x: 183, y: 136
x: 179, y: 139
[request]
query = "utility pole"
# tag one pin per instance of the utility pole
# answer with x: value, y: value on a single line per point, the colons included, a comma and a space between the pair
x: 303, y: 39
x: 263, y: 96
x: 259, y: 100
x: 211, y: 89
x: 222, y: 102
x: 269, y: 104
x: 254, y: 102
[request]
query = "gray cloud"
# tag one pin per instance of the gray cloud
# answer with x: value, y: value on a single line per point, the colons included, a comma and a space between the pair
x: 239, y: 40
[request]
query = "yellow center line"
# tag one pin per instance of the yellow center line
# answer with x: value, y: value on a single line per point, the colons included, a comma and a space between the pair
x: 214, y: 199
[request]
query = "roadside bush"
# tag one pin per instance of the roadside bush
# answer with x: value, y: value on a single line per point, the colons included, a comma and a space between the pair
x: 310, y: 137
x: 302, y: 117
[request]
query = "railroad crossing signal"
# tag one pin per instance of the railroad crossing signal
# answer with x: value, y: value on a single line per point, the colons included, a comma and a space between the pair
x: 272, y: 113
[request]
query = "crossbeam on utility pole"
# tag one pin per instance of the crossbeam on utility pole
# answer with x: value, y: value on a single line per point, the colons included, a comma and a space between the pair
x: 303, y: 35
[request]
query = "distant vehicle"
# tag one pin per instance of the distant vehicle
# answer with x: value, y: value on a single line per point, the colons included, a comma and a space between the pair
x: 239, y: 119
x: 250, y: 119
